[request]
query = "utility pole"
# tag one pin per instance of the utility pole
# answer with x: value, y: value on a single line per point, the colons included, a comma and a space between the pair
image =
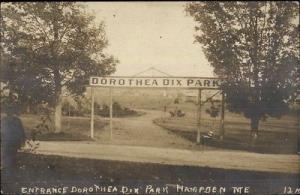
x: 110, y: 113
x: 92, y: 112
x: 222, y: 130
x: 199, y: 116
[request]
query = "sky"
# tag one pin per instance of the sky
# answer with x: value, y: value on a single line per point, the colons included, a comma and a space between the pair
x: 151, y: 34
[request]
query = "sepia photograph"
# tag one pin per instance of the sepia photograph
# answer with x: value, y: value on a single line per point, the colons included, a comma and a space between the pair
x: 150, y: 97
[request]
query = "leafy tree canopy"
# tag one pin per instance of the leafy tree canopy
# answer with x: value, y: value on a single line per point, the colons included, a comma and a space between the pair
x: 255, y: 46
x: 47, y: 46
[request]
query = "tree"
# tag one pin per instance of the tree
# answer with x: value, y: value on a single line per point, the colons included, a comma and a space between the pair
x: 255, y: 46
x: 50, y: 46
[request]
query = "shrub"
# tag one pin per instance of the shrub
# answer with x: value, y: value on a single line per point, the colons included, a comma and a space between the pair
x: 118, y: 110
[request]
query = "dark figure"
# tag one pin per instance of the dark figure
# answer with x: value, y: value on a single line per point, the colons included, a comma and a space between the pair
x: 176, y: 101
x: 180, y: 113
x: 12, y: 138
x: 172, y: 114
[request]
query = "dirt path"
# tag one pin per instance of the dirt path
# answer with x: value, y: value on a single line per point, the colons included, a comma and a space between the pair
x: 141, y: 131
x: 217, y: 159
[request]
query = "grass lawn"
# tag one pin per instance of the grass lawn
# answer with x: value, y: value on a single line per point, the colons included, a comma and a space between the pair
x: 41, y: 170
x: 275, y: 136
x: 73, y: 128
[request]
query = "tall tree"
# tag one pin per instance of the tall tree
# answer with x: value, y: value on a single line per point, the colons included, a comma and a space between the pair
x: 255, y: 45
x: 49, y: 46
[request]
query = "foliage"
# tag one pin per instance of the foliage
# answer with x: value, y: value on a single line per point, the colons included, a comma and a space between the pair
x: 118, y: 110
x: 83, y: 105
x: 80, y: 108
x: 9, y: 102
x: 49, y: 45
x: 213, y: 111
x: 70, y: 110
x: 255, y: 46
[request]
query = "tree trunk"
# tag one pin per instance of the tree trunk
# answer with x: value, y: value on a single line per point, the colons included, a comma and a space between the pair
x: 28, y: 110
x: 57, y: 78
x: 254, y: 129
x: 57, y: 116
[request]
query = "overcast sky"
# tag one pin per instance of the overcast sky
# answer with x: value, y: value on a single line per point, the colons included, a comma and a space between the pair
x: 151, y: 34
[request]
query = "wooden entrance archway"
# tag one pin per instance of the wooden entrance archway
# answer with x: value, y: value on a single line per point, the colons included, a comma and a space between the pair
x: 166, y: 82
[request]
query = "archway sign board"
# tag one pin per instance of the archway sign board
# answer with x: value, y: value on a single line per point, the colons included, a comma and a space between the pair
x: 157, y: 82
x: 199, y: 83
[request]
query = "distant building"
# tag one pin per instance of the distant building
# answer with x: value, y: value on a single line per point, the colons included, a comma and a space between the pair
x: 190, y: 96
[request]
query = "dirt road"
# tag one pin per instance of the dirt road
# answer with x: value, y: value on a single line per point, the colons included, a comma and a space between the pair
x: 141, y: 131
x: 217, y: 159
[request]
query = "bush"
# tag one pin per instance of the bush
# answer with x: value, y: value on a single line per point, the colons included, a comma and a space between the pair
x: 70, y: 110
x: 80, y: 107
x: 118, y: 110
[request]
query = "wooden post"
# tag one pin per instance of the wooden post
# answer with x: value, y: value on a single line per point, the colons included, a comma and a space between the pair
x: 110, y: 113
x: 69, y: 115
x: 199, y: 116
x: 92, y: 112
x: 222, y: 131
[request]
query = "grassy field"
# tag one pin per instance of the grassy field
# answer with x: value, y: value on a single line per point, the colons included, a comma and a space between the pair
x: 49, y: 171
x: 275, y: 136
x: 73, y: 128
x: 282, y: 135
